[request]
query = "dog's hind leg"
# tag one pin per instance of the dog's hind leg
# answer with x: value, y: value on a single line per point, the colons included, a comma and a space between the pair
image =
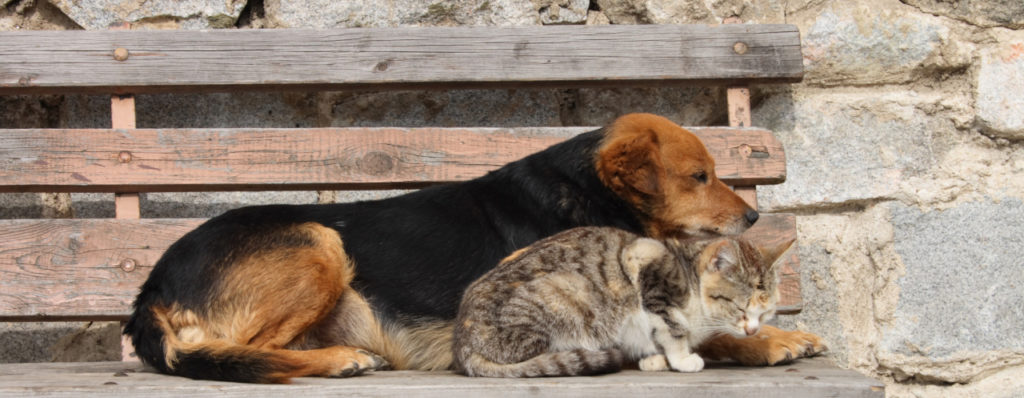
x: 266, y: 303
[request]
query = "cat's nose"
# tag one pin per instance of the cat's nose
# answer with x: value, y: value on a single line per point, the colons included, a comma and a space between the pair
x: 751, y: 326
x: 751, y: 216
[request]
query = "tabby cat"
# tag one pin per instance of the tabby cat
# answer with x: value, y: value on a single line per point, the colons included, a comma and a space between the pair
x: 583, y: 301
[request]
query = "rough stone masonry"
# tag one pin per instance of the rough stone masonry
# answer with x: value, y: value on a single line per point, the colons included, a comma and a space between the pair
x: 905, y: 144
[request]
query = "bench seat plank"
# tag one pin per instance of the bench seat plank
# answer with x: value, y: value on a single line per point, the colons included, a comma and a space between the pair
x: 67, y: 269
x: 148, y: 160
x: 62, y: 62
x: 814, y: 377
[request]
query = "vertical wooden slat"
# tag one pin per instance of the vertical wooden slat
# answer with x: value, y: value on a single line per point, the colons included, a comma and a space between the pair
x: 739, y: 106
x: 122, y: 114
x: 126, y: 205
x: 738, y: 99
x: 739, y: 116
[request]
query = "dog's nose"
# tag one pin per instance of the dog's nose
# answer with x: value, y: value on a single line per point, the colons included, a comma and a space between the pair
x: 751, y: 216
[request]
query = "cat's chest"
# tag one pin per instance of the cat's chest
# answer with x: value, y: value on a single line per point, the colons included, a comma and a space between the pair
x: 635, y: 335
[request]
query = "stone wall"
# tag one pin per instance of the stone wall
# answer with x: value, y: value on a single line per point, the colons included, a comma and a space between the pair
x: 905, y: 144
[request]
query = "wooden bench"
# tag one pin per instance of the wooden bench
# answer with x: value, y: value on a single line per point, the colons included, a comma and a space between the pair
x: 90, y: 269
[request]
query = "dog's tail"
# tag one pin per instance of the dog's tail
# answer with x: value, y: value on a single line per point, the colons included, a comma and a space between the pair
x: 562, y: 363
x: 157, y: 345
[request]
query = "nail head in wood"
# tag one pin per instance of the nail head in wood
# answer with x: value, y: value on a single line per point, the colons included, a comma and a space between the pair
x: 740, y: 48
x: 745, y: 150
x: 127, y: 265
x: 121, y: 53
x: 124, y: 157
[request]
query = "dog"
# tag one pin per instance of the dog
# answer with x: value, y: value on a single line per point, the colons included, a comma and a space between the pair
x: 267, y: 293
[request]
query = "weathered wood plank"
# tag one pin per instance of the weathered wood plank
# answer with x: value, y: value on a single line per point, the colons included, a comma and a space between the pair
x: 60, y: 62
x: 317, y: 158
x: 92, y: 268
x: 814, y: 377
x: 88, y: 268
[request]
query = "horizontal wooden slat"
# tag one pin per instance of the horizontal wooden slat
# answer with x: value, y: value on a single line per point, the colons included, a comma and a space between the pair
x: 58, y: 62
x: 77, y: 269
x: 804, y: 378
x: 322, y: 158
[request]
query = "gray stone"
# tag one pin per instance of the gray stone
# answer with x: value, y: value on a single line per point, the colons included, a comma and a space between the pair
x: 842, y: 150
x: 20, y: 205
x: 373, y: 13
x: 31, y: 341
x: 216, y: 110
x: 93, y: 205
x: 86, y: 111
x: 682, y: 12
x: 485, y: 108
x: 27, y: 111
x: 820, y: 313
x: 1000, y: 108
x: 964, y: 275
x: 166, y: 14
x: 93, y: 342
x: 562, y: 12
x: 858, y: 45
x: 224, y: 110
x: 209, y: 204
x: 33, y: 15
x: 688, y: 106
x: 986, y: 13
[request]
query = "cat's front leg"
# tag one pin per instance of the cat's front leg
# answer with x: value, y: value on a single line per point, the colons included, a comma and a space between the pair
x: 673, y: 342
x: 681, y: 359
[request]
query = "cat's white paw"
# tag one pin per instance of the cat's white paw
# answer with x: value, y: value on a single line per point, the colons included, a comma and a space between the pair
x: 692, y: 363
x: 654, y: 363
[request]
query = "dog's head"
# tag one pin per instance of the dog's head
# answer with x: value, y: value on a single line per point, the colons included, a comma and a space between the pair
x: 667, y: 174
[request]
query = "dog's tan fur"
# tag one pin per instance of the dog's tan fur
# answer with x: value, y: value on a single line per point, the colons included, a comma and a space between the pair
x: 650, y: 161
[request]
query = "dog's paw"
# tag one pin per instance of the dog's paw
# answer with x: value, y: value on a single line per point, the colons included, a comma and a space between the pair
x: 357, y: 362
x: 691, y: 363
x: 770, y: 346
x: 654, y: 363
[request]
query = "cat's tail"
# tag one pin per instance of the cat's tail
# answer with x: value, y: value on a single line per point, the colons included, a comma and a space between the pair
x: 563, y: 363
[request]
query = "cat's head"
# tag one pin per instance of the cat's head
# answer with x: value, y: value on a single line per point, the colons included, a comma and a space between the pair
x: 739, y: 283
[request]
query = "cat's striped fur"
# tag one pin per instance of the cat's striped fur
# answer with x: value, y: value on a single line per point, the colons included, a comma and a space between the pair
x: 583, y: 301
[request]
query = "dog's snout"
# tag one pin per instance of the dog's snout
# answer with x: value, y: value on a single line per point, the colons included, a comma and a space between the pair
x: 751, y: 216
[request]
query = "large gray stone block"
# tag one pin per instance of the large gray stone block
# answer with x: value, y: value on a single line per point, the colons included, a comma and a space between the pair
x: 987, y: 13
x: 963, y: 282
x: 681, y: 12
x: 562, y: 12
x: 843, y: 149
x: 31, y: 341
x: 374, y: 13
x: 854, y: 44
x: 164, y: 14
x: 999, y: 102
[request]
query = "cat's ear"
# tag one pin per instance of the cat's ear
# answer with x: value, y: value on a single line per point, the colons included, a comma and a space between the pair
x: 774, y: 254
x: 639, y: 254
x: 720, y: 256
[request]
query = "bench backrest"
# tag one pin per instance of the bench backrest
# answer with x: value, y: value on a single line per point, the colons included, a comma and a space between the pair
x: 63, y: 269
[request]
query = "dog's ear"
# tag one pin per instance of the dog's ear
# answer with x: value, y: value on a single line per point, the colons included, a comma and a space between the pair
x: 628, y: 163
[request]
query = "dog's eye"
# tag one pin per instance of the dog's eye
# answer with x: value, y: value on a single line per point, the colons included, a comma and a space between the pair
x: 700, y: 176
